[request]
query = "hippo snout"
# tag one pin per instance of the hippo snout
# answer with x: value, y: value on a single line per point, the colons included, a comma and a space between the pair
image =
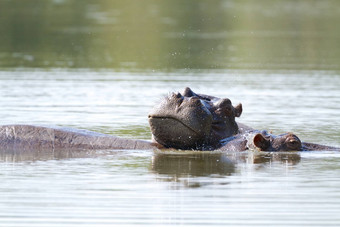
x: 180, y: 122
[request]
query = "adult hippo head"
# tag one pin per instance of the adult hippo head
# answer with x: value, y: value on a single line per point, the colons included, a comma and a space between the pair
x: 268, y: 142
x: 193, y: 121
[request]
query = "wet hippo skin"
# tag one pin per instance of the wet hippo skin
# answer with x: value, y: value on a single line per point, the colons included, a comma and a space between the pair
x: 29, y: 137
x: 193, y: 121
x: 196, y: 121
x: 181, y: 120
x: 264, y: 141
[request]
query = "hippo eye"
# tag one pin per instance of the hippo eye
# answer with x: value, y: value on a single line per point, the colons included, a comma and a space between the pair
x: 293, y: 144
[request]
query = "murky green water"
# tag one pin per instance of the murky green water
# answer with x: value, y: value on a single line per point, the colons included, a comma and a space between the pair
x: 101, y: 65
x: 172, y: 34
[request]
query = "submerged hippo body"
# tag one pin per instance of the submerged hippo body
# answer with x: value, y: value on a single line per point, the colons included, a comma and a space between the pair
x: 29, y: 137
x: 182, y: 120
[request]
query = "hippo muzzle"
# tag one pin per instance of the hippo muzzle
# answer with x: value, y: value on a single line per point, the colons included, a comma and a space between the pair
x: 180, y: 122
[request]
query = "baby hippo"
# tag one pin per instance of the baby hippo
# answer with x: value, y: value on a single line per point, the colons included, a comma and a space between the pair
x: 263, y: 141
x: 269, y: 142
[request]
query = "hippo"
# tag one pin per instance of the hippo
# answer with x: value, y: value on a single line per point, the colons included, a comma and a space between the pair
x: 193, y: 121
x: 184, y: 120
x: 264, y: 141
x: 196, y: 121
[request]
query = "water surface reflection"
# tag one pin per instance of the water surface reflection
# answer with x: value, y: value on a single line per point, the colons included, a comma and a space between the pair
x: 188, y: 167
x: 191, y: 170
x: 168, y: 165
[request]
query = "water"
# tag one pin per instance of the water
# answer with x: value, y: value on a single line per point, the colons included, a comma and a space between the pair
x: 170, y: 34
x: 105, y: 188
x: 101, y: 65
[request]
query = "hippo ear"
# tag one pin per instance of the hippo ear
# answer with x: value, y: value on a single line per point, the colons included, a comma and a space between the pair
x: 238, y: 110
x: 261, y: 142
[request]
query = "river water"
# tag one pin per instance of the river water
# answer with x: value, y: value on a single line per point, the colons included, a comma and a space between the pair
x: 101, y: 65
x: 135, y: 187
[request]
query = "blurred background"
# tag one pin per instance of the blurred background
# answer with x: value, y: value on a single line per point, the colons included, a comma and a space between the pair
x: 170, y: 35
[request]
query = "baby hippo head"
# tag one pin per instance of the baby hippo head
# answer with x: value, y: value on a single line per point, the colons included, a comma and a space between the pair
x: 283, y: 142
x: 193, y: 121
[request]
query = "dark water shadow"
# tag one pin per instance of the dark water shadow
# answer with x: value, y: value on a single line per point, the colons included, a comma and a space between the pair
x: 292, y: 158
x: 190, y: 169
x: 196, y: 169
x: 194, y: 164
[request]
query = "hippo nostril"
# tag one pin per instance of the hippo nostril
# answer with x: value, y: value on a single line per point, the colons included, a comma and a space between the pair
x: 178, y: 95
x: 195, y: 100
x: 175, y: 95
